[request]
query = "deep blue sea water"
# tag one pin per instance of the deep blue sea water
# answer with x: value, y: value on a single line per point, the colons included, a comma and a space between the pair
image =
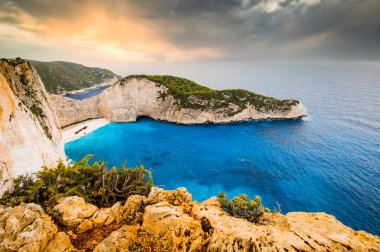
x: 328, y: 162
x: 88, y: 93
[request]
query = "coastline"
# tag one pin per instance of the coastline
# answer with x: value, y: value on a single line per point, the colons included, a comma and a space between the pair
x: 106, y: 83
x: 68, y: 133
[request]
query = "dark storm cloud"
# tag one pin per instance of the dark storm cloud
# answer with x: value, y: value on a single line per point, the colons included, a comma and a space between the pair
x: 46, y: 8
x: 9, y: 20
x: 204, y: 23
x: 238, y: 25
x: 242, y: 28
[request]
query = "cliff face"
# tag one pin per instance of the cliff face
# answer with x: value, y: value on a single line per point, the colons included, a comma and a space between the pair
x: 133, y: 97
x: 30, y: 134
x: 171, y: 221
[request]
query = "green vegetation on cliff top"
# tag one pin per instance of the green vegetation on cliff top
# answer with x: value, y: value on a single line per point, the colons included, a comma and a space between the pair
x: 240, y: 206
x: 103, y: 187
x: 231, y: 101
x: 94, y: 182
x: 59, y: 76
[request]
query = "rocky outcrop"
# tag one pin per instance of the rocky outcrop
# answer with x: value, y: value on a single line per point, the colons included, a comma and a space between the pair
x: 131, y: 98
x: 30, y: 135
x: 171, y: 221
x: 74, y: 209
x: 27, y: 228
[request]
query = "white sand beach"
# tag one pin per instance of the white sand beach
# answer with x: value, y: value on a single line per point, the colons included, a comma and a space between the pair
x: 68, y: 133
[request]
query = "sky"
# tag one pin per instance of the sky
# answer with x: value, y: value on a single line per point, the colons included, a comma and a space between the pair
x: 138, y: 35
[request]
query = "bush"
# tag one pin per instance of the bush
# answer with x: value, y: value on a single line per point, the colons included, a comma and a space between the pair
x: 94, y: 182
x: 241, y: 207
x: 36, y: 110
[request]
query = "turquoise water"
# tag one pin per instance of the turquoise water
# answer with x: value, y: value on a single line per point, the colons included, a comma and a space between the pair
x: 329, y: 162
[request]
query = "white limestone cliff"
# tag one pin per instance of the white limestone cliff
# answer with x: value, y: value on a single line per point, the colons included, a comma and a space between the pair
x: 30, y: 135
x: 131, y: 98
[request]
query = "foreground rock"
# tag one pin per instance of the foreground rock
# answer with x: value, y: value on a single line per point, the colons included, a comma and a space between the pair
x: 30, y: 135
x: 132, y: 97
x: 171, y: 221
x: 28, y: 228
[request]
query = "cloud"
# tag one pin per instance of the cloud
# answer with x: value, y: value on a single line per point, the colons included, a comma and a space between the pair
x: 175, y: 30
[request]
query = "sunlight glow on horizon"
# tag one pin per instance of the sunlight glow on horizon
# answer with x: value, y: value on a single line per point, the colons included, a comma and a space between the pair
x: 100, y: 33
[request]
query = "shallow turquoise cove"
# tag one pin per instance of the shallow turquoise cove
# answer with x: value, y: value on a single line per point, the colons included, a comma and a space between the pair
x: 329, y: 162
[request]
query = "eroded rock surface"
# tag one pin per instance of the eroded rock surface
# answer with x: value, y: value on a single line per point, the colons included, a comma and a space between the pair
x: 171, y: 221
x: 27, y: 228
x: 74, y: 210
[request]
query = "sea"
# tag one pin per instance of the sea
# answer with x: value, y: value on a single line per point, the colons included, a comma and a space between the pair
x: 90, y: 92
x: 328, y: 162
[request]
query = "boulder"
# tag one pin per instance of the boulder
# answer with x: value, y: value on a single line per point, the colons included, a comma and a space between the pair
x: 106, y: 216
x: 27, y: 228
x: 60, y: 243
x: 120, y: 240
x: 74, y: 209
x: 171, y: 224
x: 133, y: 209
x: 85, y: 226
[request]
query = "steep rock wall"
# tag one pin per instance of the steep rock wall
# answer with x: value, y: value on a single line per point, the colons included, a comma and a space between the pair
x: 30, y: 135
x: 128, y: 99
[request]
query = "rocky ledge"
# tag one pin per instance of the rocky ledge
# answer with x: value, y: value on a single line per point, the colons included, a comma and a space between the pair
x: 170, y: 221
x: 173, y: 99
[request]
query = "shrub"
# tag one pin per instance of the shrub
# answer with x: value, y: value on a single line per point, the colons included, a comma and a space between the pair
x: 47, y: 132
x: 36, y: 110
x: 241, y: 207
x: 94, y: 182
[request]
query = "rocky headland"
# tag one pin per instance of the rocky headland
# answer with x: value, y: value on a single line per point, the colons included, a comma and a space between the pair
x: 174, y: 100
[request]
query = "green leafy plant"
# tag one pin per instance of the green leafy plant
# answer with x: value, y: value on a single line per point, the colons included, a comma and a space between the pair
x: 241, y: 207
x: 94, y: 182
x: 35, y: 109
x: 47, y: 132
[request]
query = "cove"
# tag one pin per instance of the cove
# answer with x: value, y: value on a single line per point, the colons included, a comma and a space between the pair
x: 282, y: 161
x: 328, y: 162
